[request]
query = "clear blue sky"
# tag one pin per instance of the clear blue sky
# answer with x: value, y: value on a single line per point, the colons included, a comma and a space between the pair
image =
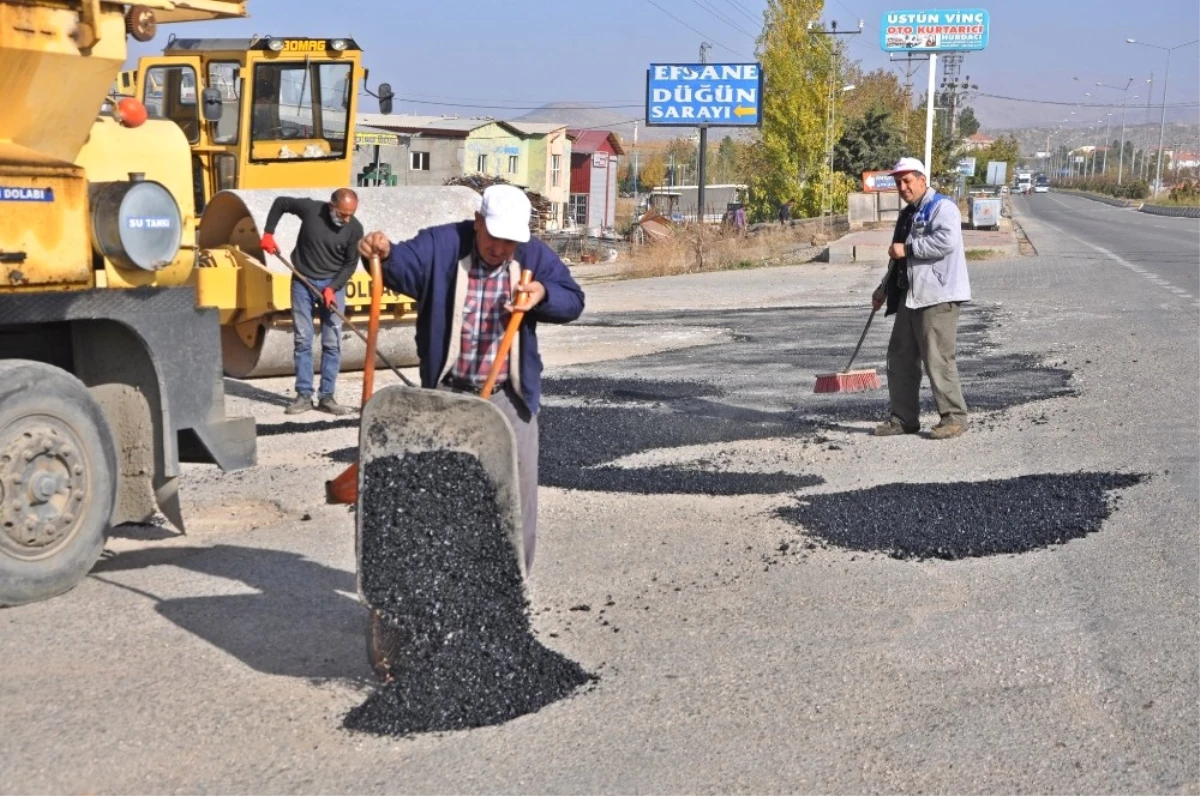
x: 470, y: 55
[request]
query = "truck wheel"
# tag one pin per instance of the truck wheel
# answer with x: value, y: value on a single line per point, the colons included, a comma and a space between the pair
x: 57, y: 481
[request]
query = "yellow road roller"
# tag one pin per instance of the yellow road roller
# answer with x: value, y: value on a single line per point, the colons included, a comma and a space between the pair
x: 267, y: 117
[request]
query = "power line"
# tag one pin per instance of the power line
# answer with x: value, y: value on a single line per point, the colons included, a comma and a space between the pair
x: 508, y: 101
x: 1078, y: 104
x: 566, y: 107
x: 697, y: 32
x: 710, y: 9
x: 741, y: 9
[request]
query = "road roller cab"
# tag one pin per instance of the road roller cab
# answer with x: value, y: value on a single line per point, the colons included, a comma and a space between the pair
x: 266, y: 117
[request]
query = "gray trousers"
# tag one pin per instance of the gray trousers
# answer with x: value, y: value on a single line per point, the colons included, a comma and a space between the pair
x: 925, y: 337
x: 525, y: 429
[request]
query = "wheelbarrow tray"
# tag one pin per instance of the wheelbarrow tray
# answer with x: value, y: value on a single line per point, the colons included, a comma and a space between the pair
x: 400, y: 420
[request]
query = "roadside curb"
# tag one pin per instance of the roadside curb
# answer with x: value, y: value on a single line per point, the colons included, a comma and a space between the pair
x: 1178, y: 212
x: 1099, y: 197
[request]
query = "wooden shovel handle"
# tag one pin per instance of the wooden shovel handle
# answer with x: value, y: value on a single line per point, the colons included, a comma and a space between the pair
x: 372, y: 340
x: 514, y: 322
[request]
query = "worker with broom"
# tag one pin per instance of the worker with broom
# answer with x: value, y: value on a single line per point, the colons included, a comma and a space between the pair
x: 924, y: 286
x: 466, y: 279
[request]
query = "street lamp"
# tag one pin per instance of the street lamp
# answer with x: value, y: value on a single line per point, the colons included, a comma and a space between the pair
x: 1162, y: 122
x: 1124, y: 100
x: 832, y: 110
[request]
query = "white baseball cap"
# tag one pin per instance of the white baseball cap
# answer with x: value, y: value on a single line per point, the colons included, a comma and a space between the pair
x: 506, y: 211
x: 905, y: 165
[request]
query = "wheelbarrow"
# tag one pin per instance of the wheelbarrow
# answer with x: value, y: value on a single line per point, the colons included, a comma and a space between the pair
x: 400, y: 420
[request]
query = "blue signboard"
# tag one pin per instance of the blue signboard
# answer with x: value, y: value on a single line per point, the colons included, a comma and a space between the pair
x: 935, y: 30
x: 14, y: 194
x: 690, y: 95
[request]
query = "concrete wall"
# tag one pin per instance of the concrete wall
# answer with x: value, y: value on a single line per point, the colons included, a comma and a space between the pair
x: 498, y: 144
x: 539, y: 170
x: 602, y: 199
x: 445, y: 160
x: 867, y: 208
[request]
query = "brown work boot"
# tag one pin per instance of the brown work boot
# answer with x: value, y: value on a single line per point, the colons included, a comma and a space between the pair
x: 302, y: 403
x: 946, y: 430
x: 893, y: 428
x: 326, y: 404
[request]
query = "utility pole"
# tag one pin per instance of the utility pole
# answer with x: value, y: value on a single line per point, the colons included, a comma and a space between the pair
x: 702, y: 170
x: 910, y: 69
x: 1162, y: 124
x: 827, y: 200
x: 1124, y: 102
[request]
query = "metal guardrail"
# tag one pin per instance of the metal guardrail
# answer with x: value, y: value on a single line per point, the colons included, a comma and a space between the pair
x: 1169, y: 210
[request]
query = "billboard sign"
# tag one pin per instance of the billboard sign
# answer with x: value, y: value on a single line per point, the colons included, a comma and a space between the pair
x: 997, y: 173
x: 690, y: 95
x: 934, y: 30
x: 878, y: 181
x: 966, y: 167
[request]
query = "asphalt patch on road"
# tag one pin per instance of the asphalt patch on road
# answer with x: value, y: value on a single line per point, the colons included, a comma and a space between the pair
x: 756, y: 386
x: 438, y: 567
x: 962, y: 519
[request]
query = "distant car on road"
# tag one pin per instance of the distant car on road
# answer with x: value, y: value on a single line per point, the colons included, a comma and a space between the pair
x: 1041, y: 186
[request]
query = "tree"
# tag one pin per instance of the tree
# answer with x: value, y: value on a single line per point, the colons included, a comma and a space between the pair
x: 874, y: 90
x: 968, y: 125
x: 724, y: 166
x: 796, y: 67
x: 653, y: 172
x: 869, y: 142
x: 1005, y: 148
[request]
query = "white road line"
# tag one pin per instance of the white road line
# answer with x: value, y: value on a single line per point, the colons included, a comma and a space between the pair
x: 1137, y: 269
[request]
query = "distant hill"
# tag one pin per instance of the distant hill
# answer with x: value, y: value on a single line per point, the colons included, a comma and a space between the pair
x: 619, y: 120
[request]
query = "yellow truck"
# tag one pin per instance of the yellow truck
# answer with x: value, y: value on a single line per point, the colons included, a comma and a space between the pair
x: 110, y: 370
x: 265, y: 117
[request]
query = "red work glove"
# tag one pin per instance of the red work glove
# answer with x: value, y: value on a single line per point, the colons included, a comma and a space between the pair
x: 268, y: 244
x: 330, y: 297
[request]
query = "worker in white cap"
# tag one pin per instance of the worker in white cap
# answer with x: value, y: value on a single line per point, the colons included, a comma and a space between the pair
x: 465, y: 278
x: 925, y: 285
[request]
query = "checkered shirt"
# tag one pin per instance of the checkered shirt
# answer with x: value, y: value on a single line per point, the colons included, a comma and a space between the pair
x: 484, y: 318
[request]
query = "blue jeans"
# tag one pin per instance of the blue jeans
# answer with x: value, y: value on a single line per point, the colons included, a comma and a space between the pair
x: 303, y: 305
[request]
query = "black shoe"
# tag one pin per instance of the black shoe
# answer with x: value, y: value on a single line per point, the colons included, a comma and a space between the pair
x: 326, y: 404
x: 303, y: 403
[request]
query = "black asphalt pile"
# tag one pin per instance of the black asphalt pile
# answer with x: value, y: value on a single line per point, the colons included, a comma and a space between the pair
x: 438, y: 566
x: 962, y: 519
x: 577, y: 442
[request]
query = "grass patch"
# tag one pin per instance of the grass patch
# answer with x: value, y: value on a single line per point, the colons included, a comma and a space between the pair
x: 693, y: 248
x: 983, y: 254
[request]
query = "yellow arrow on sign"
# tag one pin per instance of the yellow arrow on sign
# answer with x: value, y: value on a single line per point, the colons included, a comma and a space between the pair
x: 742, y: 110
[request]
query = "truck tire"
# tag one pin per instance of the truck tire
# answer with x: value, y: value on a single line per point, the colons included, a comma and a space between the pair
x: 57, y: 481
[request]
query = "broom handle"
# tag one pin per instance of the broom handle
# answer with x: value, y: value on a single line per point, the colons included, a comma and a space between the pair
x: 871, y: 317
x: 514, y: 321
x: 861, y: 337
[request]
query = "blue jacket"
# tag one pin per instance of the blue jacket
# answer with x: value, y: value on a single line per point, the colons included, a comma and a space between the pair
x: 427, y: 269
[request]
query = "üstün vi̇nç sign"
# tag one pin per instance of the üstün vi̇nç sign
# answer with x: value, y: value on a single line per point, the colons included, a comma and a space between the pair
x: 934, y: 30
